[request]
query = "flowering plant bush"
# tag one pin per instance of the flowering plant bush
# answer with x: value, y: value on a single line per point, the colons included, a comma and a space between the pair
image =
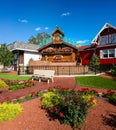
x: 50, y: 99
x: 9, y: 111
x: 87, y: 91
x: 112, y: 98
x: 2, y: 84
x: 18, y: 84
x: 111, y: 95
x: 108, y: 93
x: 70, y: 107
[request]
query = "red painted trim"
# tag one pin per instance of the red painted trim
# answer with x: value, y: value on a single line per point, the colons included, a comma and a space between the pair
x: 108, y: 61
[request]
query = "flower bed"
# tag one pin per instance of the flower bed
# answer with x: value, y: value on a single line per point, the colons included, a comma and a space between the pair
x: 19, y: 84
x: 68, y: 106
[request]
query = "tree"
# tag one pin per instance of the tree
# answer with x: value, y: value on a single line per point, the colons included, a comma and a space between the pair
x: 5, y: 55
x: 113, y: 69
x: 41, y: 38
x: 94, y: 63
x: 32, y: 40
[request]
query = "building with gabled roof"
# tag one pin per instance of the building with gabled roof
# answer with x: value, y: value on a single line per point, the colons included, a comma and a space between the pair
x: 23, y: 52
x: 103, y: 44
x: 58, y: 50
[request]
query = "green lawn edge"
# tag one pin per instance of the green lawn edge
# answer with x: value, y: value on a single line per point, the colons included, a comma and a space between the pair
x: 14, y: 76
x: 96, y: 82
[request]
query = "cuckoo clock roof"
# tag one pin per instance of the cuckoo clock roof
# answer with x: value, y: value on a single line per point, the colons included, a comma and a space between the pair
x: 49, y: 44
x: 57, y: 30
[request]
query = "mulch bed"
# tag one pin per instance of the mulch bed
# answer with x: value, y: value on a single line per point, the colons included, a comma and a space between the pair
x: 101, y: 117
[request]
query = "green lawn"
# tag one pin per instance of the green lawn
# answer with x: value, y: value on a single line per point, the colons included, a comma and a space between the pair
x: 14, y: 76
x: 96, y: 82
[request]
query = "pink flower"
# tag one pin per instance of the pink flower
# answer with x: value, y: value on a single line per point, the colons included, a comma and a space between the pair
x: 61, y: 114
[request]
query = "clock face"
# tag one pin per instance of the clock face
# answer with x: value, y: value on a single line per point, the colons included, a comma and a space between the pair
x: 57, y: 38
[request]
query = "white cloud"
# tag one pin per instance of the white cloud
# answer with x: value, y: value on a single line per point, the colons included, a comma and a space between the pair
x: 82, y: 41
x: 66, y: 14
x: 46, y: 28
x: 23, y: 20
x: 37, y: 29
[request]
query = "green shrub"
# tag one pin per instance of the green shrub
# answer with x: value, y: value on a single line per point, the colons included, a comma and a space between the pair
x: 68, y: 106
x: 112, y: 98
x: 28, y: 96
x: 15, y: 87
x: 19, y: 100
x: 49, y: 99
x: 9, y: 111
x: 2, y: 84
x: 113, y: 70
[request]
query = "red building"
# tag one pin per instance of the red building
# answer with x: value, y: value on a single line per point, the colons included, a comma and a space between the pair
x: 104, y: 45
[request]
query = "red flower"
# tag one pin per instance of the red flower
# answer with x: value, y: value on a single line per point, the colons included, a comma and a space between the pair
x: 85, y: 89
x: 78, y: 91
x: 61, y: 114
x: 91, y: 98
x: 32, y: 94
x: 95, y: 91
x: 56, y: 109
x: 109, y: 90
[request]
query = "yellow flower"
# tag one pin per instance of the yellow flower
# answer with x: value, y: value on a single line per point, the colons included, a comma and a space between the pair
x: 94, y: 102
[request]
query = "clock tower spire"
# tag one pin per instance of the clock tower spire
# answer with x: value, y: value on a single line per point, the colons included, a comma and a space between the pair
x: 57, y: 35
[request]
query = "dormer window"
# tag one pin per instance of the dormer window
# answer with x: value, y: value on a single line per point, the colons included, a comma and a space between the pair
x: 107, y: 39
x: 103, y: 39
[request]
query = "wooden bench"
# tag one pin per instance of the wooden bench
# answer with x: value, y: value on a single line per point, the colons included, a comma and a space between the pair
x: 40, y: 74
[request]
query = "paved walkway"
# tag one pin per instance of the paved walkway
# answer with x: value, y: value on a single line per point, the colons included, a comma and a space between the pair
x: 63, y: 82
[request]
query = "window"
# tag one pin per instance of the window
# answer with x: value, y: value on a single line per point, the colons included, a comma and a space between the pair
x: 112, y: 53
x: 113, y: 38
x: 105, y: 53
x: 16, y: 56
x: 109, y: 53
x: 103, y: 39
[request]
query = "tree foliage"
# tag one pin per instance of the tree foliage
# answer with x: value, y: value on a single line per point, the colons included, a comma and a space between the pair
x: 113, y: 70
x: 5, y: 55
x: 94, y: 63
x: 40, y: 38
x: 32, y: 40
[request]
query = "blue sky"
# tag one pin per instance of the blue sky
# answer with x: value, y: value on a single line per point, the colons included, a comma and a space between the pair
x: 80, y: 20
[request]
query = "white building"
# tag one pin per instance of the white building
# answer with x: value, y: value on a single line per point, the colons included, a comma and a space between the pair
x: 23, y: 52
